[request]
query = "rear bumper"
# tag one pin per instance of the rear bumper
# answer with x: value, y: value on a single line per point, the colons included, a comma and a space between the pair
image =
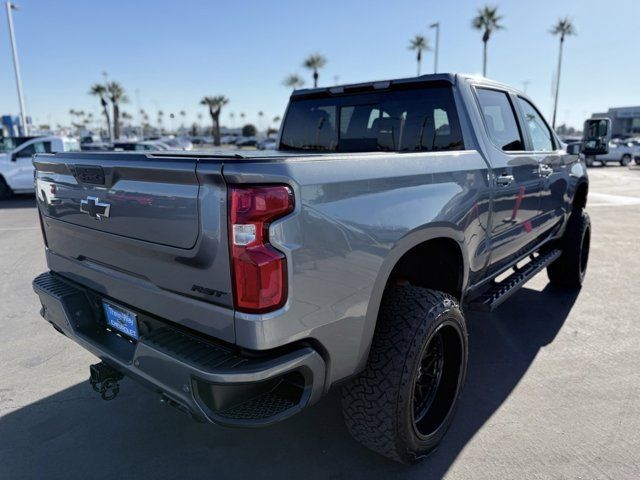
x: 211, y: 381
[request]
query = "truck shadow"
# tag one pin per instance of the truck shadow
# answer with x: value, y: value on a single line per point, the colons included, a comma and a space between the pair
x: 73, y: 434
x: 19, y: 201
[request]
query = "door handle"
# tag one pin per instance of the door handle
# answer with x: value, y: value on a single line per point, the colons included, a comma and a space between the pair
x: 545, y: 170
x: 504, y: 180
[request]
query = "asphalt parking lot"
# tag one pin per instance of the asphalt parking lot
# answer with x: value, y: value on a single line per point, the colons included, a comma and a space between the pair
x: 553, y: 389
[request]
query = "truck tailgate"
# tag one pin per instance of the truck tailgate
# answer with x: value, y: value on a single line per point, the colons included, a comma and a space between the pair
x: 148, y: 231
x: 149, y: 199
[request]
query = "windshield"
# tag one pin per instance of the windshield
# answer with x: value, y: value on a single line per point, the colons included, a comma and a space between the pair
x: 404, y: 121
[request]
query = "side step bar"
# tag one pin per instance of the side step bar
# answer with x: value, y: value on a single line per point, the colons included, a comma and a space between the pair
x: 491, y: 298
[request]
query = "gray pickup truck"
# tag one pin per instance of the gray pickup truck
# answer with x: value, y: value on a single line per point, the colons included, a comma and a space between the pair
x: 242, y: 286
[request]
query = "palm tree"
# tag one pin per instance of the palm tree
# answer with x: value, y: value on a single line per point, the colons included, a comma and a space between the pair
x: 215, y: 105
x: 487, y: 20
x: 293, y: 81
x: 100, y: 91
x: 419, y: 44
x: 73, y: 113
x: 160, y: 117
x: 183, y: 114
x: 563, y: 28
x: 315, y: 62
x: 126, y: 116
x: 117, y: 96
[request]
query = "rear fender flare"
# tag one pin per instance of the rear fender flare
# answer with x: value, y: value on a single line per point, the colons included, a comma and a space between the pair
x: 408, y: 242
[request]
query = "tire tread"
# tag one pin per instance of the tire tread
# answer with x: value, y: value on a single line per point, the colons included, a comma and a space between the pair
x: 373, y: 400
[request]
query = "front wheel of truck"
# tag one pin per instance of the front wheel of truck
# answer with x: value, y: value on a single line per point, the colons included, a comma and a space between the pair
x: 403, y: 402
x: 569, y: 270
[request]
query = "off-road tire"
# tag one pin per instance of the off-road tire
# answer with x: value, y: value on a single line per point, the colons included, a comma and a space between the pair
x: 5, y: 191
x: 378, y: 405
x: 569, y: 270
x: 625, y: 160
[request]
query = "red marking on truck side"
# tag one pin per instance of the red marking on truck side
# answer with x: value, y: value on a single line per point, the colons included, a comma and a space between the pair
x: 516, y: 207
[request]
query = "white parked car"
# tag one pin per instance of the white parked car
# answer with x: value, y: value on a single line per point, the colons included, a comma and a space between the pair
x: 634, y: 143
x: 268, y: 144
x: 619, y: 152
x: 177, y: 143
x: 16, y: 169
x: 135, y: 146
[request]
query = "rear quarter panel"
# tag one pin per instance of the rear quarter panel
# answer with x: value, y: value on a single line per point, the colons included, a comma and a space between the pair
x: 355, y: 216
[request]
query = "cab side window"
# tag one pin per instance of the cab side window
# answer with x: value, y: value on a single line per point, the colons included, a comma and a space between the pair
x: 539, y: 131
x: 500, y: 119
x: 26, y: 152
x: 33, y: 148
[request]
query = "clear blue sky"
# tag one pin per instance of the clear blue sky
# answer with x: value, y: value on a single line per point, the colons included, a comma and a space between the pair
x: 175, y: 52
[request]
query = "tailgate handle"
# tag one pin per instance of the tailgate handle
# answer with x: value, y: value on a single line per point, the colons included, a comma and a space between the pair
x: 89, y: 174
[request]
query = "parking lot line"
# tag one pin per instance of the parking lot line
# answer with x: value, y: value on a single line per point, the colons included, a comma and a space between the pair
x: 604, y: 199
x: 8, y: 229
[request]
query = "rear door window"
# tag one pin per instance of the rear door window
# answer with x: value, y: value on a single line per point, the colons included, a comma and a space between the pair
x: 500, y: 119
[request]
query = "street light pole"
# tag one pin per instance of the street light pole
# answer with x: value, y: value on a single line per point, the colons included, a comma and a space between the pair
x: 435, y: 56
x: 16, y: 67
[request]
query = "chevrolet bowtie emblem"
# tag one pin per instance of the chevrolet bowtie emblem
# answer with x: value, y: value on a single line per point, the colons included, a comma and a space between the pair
x: 92, y: 207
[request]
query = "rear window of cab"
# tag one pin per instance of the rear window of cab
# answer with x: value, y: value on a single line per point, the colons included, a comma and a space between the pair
x: 412, y: 120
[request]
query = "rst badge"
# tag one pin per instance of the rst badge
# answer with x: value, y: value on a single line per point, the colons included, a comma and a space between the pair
x: 94, y: 208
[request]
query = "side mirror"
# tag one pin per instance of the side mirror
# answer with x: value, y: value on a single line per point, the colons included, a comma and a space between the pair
x: 596, y: 136
x: 574, y: 148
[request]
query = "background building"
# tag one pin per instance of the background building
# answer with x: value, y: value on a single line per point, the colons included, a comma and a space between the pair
x: 625, y: 121
x: 10, y: 126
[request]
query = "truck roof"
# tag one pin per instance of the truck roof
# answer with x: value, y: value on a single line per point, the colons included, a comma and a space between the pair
x: 431, y: 79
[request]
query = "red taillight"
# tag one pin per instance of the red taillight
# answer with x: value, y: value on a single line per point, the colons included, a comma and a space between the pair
x: 259, y: 270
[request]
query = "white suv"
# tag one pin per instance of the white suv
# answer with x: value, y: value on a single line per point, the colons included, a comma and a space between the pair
x: 16, y: 169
